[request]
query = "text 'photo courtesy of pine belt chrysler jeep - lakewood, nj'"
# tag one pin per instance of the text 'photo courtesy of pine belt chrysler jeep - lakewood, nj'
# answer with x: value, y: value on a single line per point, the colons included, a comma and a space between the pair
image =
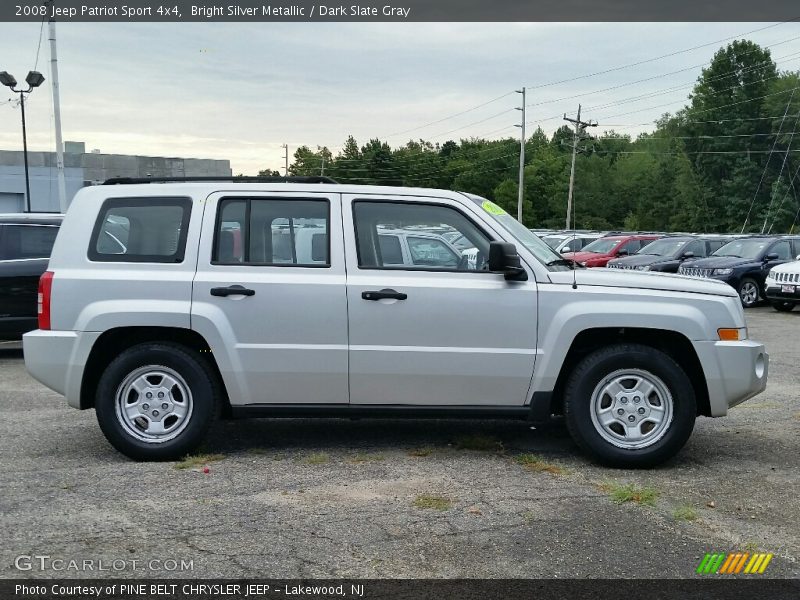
x: 169, y: 304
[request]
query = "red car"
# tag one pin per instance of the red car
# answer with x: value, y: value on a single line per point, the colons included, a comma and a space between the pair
x: 602, y: 250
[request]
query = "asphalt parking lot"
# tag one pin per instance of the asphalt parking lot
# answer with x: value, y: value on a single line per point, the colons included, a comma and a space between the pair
x: 378, y: 498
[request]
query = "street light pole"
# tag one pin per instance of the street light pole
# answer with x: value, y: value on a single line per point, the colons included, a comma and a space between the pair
x: 34, y: 80
x: 25, y: 154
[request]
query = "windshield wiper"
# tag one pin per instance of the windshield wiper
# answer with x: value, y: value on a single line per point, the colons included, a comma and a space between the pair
x: 563, y: 261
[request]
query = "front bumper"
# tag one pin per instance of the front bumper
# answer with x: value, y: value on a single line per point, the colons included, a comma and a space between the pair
x: 735, y: 372
x: 58, y: 358
x: 775, y: 292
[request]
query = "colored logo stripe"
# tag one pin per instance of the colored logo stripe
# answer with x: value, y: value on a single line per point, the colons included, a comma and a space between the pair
x: 734, y: 563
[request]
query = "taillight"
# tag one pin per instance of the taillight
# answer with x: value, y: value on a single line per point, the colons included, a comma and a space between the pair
x: 43, y: 299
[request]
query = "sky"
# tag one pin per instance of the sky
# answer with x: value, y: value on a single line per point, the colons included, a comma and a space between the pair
x: 239, y: 91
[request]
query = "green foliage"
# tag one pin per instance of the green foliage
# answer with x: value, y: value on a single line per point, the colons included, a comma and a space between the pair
x: 707, y: 168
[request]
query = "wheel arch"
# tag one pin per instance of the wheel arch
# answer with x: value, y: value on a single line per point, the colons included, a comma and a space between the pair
x: 672, y: 343
x: 112, y: 342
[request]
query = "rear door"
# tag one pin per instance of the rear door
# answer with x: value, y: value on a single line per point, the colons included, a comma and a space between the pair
x: 24, y: 253
x: 437, y: 330
x: 270, y: 289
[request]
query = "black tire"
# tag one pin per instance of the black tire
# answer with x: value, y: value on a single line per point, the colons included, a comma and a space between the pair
x: 204, y: 400
x: 745, y: 285
x: 588, y: 375
x: 783, y: 306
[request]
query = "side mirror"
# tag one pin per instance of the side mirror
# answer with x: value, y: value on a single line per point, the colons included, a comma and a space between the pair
x: 622, y: 252
x: 687, y: 255
x: 771, y: 256
x: 503, y: 258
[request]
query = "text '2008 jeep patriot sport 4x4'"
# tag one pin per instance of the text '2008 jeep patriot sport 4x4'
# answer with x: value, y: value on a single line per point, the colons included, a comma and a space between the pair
x: 167, y: 304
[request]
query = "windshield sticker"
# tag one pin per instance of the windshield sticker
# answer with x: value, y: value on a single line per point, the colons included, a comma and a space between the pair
x: 492, y: 208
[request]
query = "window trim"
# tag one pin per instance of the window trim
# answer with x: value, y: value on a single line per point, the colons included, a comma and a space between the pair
x: 246, y: 233
x: 178, y: 257
x: 406, y: 268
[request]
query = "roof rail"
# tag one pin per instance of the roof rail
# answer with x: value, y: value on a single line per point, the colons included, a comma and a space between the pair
x: 232, y: 178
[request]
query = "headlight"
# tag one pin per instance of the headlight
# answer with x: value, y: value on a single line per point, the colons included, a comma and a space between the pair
x: 723, y: 271
x: 770, y: 276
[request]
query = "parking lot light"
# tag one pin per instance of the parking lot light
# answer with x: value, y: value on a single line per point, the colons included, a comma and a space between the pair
x: 34, y: 79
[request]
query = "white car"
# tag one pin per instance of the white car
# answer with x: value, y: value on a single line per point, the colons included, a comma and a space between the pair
x: 213, y: 309
x: 570, y: 241
x: 782, y: 286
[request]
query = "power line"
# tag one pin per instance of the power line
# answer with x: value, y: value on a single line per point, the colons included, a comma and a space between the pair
x: 764, y: 172
x: 458, y: 114
x: 682, y: 86
x: 649, y: 60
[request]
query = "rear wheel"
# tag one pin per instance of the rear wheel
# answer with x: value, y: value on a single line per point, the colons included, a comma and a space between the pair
x: 156, y: 401
x: 748, y: 292
x: 783, y: 306
x: 629, y: 405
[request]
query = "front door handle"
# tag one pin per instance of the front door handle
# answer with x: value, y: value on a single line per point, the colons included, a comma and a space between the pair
x: 233, y: 290
x: 384, y: 293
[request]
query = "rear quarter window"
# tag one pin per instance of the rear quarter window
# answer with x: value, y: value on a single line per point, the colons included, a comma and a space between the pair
x: 141, y: 230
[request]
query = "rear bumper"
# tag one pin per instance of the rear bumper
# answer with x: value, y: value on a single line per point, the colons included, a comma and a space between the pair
x: 58, y: 358
x: 735, y: 372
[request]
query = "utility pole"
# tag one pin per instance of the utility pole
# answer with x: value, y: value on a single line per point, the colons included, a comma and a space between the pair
x: 62, y: 183
x: 286, y: 159
x: 520, y: 186
x: 580, y: 129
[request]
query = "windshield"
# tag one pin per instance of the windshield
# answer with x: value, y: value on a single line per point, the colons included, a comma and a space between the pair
x: 602, y: 246
x: 553, y: 240
x: 743, y: 248
x: 522, y: 234
x: 663, y: 247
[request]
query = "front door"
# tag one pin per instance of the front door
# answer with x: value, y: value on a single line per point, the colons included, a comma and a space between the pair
x: 269, y: 296
x: 428, y: 328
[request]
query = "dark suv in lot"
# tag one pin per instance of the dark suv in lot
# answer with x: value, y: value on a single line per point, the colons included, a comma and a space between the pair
x: 744, y: 263
x: 25, y: 244
x: 667, y: 254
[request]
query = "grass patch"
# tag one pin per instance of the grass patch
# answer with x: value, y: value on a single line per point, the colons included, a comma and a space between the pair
x: 258, y: 451
x: 363, y: 457
x: 479, y: 442
x: 631, y: 493
x: 432, y: 502
x: 421, y: 452
x: 198, y: 460
x: 317, y: 458
x: 536, y: 463
x: 751, y: 547
x: 684, y: 513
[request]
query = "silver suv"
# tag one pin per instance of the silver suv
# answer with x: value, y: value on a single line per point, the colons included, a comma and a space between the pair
x: 167, y: 305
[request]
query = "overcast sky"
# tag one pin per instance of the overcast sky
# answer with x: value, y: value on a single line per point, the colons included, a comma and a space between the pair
x: 239, y: 91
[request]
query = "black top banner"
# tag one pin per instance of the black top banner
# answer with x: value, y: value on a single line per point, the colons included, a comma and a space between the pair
x: 400, y: 10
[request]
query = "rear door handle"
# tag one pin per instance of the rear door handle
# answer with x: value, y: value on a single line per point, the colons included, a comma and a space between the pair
x: 384, y: 293
x: 233, y: 290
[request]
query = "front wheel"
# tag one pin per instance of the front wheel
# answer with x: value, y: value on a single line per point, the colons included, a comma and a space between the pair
x: 782, y: 306
x: 629, y: 405
x: 748, y: 292
x: 156, y: 401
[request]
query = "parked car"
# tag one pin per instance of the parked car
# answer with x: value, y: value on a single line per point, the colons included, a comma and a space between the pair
x: 668, y: 253
x: 600, y: 251
x: 744, y: 263
x: 164, y: 337
x: 25, y: 244
x: 570, y: 241
x: 782, y: 286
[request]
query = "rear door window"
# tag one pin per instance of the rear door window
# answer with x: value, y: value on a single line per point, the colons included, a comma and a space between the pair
x: 273, y: 232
